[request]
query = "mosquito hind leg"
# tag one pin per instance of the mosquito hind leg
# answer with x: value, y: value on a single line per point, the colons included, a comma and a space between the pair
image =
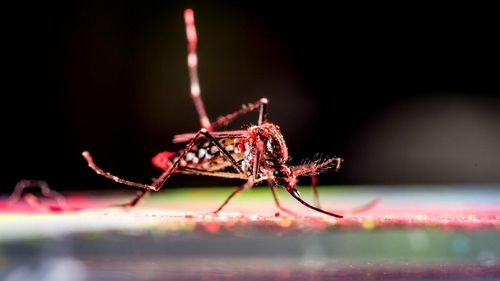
x: 192, y: 38
x: 163, y: 177
x: 108, y: 175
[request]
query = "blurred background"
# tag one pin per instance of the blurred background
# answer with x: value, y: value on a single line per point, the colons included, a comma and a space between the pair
x: 405, y: 94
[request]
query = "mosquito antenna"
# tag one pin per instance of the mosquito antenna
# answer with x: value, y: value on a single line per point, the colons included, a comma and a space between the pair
x: 192, y: 38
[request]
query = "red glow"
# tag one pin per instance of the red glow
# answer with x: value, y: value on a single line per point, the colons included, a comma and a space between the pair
x: 211, y: 225
x: 162, y: 160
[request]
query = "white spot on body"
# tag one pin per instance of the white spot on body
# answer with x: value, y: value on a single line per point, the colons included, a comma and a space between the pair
x: 201, y: 153
x: 237, y: 149
x: 269, y: 146
x: 214, y: 149
x: 189, y: 156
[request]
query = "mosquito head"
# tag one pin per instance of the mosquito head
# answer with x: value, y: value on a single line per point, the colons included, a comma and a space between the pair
x: 283, y: 176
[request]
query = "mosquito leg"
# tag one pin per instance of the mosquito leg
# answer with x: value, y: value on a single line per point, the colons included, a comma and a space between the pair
x: 295, y: 194
x: 278, y: 205
x: 260, y: 104
x: 192, y: 38
x: 101, y: 172
x: 166, y: 174
x: 256, y: 162
x: 228, y: 156
x: 258, y: 153
x: 314, y: 184
x: 139, y: 196
x: 158, y: 183
x: 250, y: 181
x: 222, y: 150
x: 312, y: 168
x: 235, y: 191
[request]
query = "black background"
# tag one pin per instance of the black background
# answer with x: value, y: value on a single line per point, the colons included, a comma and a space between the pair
x: 406, y: 94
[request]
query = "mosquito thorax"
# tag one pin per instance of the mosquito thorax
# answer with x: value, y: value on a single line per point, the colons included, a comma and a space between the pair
x: 268, y: 135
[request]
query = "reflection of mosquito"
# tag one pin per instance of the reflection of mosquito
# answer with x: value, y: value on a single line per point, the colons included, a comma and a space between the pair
x: 34, y: 201
x: 256, y: 154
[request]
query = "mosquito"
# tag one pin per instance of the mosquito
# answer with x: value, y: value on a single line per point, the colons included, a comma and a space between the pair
x: 257, y: 154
